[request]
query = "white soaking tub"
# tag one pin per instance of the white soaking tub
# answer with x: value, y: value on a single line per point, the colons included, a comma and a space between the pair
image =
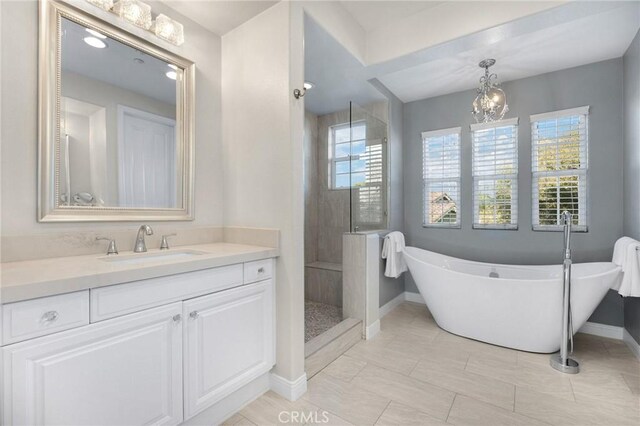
x: 518, y: 307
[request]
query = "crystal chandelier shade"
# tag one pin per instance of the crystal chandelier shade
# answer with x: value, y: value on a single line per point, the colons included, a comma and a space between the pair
x: 490, y: 103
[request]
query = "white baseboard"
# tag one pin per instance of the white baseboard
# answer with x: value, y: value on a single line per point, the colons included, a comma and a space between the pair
x: 631, y: 343
x: 414, y: 297
x: 388, y: 307
x: 372, y: 331
x: 289, y: 389
x: 602, y: 330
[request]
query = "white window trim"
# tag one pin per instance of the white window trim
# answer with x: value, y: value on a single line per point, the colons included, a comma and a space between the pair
x: 458, y: 224
x: 513, y: 177
x: 500, y: 123
x: 583, y: 110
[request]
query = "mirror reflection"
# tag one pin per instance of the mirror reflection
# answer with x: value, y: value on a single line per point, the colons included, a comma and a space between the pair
x: 118, y: 128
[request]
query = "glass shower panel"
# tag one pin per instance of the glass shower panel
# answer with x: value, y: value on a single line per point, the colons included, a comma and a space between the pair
x: 368, y: 168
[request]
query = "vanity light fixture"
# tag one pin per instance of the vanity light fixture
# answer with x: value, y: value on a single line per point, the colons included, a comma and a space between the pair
x: 95, y: 33
x: 134, y: 11
x: 102, y: 4
x: 139, y: 14
x: 95, y: 42
x: 490, y: 103
x: 307, y: 85
x: 172, y: 75
x: 169, y: 30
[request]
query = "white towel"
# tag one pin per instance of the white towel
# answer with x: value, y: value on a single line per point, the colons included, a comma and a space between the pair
x: 392, y: 251
x: 625, y: 255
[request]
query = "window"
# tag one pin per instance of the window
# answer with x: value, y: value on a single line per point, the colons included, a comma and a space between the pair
x: 357, y: 163
x: 495, y: 174
x: 347, y: 168
x: 441, y: 178
x: 559, y: 168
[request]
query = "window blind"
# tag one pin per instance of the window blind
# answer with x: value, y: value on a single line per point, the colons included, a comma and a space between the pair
x: 370, y: 203
x: 495, y: 174
x: 441, y: 178
x: 559, y: 164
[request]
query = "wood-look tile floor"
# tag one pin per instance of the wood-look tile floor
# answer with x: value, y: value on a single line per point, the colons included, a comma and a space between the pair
x: 414, y: 373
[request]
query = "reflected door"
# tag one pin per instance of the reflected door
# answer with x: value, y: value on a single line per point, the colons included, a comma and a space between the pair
x: 147, y: 159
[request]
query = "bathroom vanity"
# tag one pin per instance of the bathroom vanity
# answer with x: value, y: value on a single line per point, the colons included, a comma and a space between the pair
x: 122, y: 340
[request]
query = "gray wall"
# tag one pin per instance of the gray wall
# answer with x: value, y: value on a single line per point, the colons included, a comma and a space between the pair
x: 392, y: 287
x: 598, y: 85
x: 632, y: 168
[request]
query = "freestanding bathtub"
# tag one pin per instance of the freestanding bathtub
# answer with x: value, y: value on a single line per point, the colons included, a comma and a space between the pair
x: 518, y: 307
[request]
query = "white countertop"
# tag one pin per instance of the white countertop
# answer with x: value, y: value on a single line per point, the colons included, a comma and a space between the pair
x: 46, y: 277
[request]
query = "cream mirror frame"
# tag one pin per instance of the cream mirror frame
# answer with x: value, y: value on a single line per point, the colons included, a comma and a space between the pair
x: 53, y: 14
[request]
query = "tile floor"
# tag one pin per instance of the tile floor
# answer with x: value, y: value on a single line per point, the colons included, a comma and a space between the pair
x: 413, y: 373
x: 319, y: 317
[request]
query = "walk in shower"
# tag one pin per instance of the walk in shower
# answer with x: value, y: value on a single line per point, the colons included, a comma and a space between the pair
x: 345, y: 191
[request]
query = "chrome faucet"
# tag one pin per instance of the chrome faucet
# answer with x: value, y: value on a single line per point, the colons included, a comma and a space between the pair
x: 140, y: 246
x: 566, y: 221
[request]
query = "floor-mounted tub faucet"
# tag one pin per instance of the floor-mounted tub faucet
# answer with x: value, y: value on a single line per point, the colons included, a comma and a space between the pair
x: 141, y: 246
x: 561, y: 361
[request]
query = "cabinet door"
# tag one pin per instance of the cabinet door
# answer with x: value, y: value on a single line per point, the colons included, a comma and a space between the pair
x: 229, y: 341
x: 125, y: 371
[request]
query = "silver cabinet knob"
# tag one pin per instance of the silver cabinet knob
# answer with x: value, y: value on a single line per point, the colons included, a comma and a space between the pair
x: 194, y: 314
x: 177, y: 318
x: 50, y: 316
x: 261, y: 270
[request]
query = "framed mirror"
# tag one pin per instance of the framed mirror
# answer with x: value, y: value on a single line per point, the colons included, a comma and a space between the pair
x: 116, y: 123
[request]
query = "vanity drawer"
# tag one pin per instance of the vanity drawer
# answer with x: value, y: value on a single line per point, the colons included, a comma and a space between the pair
x: 122, y: 299
x: 38, y: 317
x: 258, y: 270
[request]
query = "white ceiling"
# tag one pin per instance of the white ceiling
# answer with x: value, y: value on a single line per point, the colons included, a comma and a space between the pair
x: 374, y: 14
x: 592, y: 39
x: 220, y: 16
x: 337, y: 74
x: 570, y: 35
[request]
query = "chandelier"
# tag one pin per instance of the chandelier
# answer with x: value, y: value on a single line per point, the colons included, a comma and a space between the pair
x: 491, y: 103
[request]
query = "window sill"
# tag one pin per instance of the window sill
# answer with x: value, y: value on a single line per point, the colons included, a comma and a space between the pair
x: 559, y: 228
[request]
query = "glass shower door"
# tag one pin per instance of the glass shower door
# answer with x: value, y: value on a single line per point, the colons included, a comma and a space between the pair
x: 368, y: 170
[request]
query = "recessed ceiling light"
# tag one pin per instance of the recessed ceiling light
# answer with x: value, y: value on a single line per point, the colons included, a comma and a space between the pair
x: 173, y: 67
x: 95, y: 42
x: 95, y: 33
x: 172, y: 75
x: 308, y: 85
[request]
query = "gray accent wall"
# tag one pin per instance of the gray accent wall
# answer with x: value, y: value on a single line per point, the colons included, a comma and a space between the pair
x: 598, y: 85
x: 392, y: 287
x: 631, y: 62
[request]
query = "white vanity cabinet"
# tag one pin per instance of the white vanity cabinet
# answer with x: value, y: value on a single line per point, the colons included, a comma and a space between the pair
x: 184, y: 350
x: 124, y: 371
x: 228, y: 342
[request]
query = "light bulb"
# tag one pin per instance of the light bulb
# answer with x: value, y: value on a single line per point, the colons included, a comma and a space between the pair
x: 95, y: 42
x: 95, y: 33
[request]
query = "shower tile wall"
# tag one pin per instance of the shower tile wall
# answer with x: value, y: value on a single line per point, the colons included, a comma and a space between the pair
x: 333, y: 205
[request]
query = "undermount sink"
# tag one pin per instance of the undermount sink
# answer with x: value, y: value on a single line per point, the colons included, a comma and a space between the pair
x: 153, y: 256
